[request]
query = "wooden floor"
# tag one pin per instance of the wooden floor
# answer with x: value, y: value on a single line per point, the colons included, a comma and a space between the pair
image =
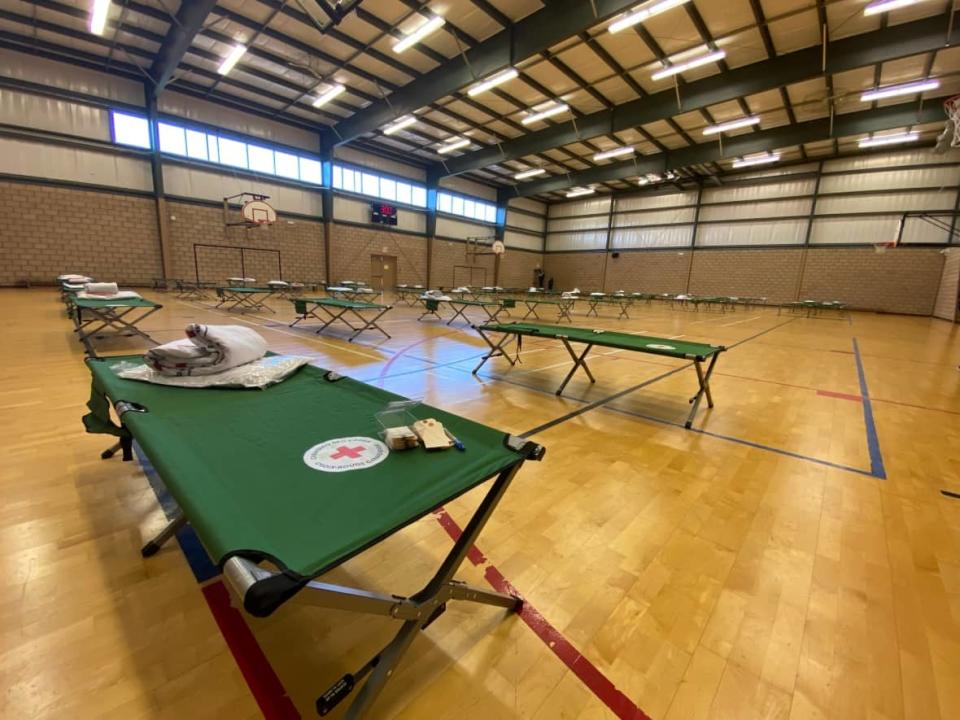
x: 759, y: 566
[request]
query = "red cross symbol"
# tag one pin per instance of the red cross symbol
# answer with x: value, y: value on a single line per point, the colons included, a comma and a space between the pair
x: 349, y: 452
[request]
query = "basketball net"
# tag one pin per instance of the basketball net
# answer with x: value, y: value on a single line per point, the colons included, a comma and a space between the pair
x: 950, y: 137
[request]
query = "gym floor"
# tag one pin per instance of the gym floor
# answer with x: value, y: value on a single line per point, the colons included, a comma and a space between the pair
x: 793, y: 556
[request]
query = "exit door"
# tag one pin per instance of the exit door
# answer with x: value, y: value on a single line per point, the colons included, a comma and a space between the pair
x: 383, y: 272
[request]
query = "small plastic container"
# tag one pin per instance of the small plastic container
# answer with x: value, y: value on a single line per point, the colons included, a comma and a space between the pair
x: 395, y: 415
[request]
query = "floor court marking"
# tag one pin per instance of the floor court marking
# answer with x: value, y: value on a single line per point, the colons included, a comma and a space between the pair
x: 873, y: 441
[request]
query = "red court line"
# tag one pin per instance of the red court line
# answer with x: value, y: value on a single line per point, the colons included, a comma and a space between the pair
x: 839, y: 395
x: 598, y: 683
x: 263, y: 682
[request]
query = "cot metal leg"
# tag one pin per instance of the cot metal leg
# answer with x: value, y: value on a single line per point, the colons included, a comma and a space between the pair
x: 704, y: 379
x: 124, y: 445
x: 333, y: 318
x: 496, y: 350
x: 306, y: 315
x: 153, y: 546
x: 460, y: 312
x: 369, y: 325
x: 565, y: 313
x: 531, y: 310
x: 623, y: 312
x: 578, y: 362
x: 593, y: 309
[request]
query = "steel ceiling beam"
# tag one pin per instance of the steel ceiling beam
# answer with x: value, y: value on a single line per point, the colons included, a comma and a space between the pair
x: 532, y: 35
x: 184, y: 28
x: 787, y: 136
x: 914, y: 38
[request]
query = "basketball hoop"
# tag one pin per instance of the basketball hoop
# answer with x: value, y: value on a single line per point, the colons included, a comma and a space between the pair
x: 255, y: 212
x: 498, y: 248
x: 950, y: 137
x: 881, y: 248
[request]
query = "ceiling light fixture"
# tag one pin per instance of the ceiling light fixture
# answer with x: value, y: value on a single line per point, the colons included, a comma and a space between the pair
x: 98, y: 16
x: 910, y: 88
x: 682, y: 67
x: 544, y: 114
x: 492, y: 81
x: 645, y: 12
x: 882, y: 6
x: 400, y: 124
x: 732, y: 125
x: 580, y: 192
x: 648, y: 178
x: 533, y: 172
x: 408, y: 41
x: 751, y: 160
x: 889, y: 139
x: 616, y: 152
x: 329, y: 94
x: 453, y: 144
x: 235, y: 54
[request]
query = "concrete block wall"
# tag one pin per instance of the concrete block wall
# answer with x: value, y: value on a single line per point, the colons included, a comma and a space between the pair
x: 49, y: 230
x: 451, y: 266
x: 352, y: 245
x: 517, y: 268
x: 948, y: 293
x: 660, y: 272
x: 772, y: 273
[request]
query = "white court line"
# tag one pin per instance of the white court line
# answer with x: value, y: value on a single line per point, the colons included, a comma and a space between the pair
x: 348, y: 349
x: 755, y: 317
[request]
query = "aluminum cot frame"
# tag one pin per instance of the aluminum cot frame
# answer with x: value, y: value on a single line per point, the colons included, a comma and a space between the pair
x: 332, y: 317
x: 245, y: 298
x: 110, y: 321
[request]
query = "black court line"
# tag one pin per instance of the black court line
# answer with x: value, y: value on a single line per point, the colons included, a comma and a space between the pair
x: 950, y: 494
x: 600, y: 403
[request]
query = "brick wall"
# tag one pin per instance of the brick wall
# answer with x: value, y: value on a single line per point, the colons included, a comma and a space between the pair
x: 517, y: 267
x: 49, y: 230
x: 772, y: 273
x: 299, y: 242
x: 945, y: 306
x: 352, y: 246
x: 660, y: 272
x: 570, y: 270
x: 450, y: 266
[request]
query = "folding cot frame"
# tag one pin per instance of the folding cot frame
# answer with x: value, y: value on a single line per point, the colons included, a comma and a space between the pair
x: 432, y: 305
x: 113, y: 320
x: 262, y: 590
x: 343, y: 292
x: 564, y: 308
x: 623, y: 302
x: 814, y: 308
x: 409, y: 295
x: 245, y: 298
x: 498, y: 349
x: 344, y: 306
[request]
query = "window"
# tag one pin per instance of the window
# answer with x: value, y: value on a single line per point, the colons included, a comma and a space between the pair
x: 311, y: 171
x: 213, y: 148
x: 288, y: 165
x: 378, y: 186
x: 388, y: 189
x: 172, y: 139
x: 404, y: 193
x: 261, y: 159
x: 196, y: 145
x: 466, y: 207
x: 232, y: 152
x: 419, y: 196
x: 130, y: 130
x: 338, y: 177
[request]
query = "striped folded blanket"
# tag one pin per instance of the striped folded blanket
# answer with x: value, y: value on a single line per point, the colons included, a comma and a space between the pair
x: 208, y: 349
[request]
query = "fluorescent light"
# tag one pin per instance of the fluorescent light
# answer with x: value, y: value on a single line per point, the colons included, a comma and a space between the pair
x: 910, y: 88
x: 648, y: 178
x: 235, y: 54
x: 533, y: 172
x: 751, y: 160
x: 689, y: 64
x: 616, y: 152
x: 732, y: 125
x: 882, y: 6
x: 640, y: 14
x: 492, y: 81
x: 889, y: 139
x: 98, y: 16
x: 453, y: 144
x: 408, y: 41
x: 329, y: 94
x: 544, y: 114
x: 398, y: 125
x: 580, y: 192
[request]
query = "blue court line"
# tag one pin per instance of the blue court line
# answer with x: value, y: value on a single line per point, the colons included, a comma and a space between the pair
x: 203, y: 567
x: 873, y: 442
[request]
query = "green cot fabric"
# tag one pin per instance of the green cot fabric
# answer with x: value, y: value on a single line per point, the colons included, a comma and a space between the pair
x: 233, y: 460
x: 608, y: 338
x: 122, y: 302
x: 432, y: 304
x: 247, y: 290
x: 476, y: 303
x: 333, y: 302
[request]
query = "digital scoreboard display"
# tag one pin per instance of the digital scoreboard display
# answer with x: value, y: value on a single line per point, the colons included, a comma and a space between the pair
x: 383, y: 214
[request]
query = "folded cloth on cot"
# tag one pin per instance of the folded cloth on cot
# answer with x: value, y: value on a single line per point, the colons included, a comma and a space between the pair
x: 102, y: 288
x: 277, y: 283
x: 85, y: 294
x: 208, y: 349
x: 72, y: 278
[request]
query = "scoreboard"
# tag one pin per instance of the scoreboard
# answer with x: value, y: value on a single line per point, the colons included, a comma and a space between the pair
x: 382, y: 214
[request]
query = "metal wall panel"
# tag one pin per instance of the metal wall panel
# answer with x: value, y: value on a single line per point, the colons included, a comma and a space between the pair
x: 529, y: 205
x: 527, y: 222
x: 662, y: 200
x: 520, y: 240
x: 655, y: 217
x: 38, y: 112
x: 888, y: 203
x: 783, y: 232
x: 461, y: 230
x: 766, y: 209
x: 578, y: 223
x: 924, y: 156
x: 590, y: 206
x: 219, y: 116
x: 833, y: 231
x: 53, y: 74
x: 464, y: 186
x: 558, y: 242
x: 73, y: 164
x: 891, y: 179
x: 191, y: 182
x: 375, y: 162
x: 760, y: 191
x: 661, y: 237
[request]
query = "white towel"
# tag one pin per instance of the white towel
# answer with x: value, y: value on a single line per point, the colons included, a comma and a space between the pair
x: 71, y: 278
x: 208, y: 349
x: 102, y: 288
x: 277, y: 283
x: 118, y: 295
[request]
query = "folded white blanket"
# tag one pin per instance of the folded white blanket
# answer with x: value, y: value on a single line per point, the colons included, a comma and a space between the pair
x: 69, y: 277
x: 277, y: 283
x: 102, y: 288
x: 118, y: 295
x: 208, y: 349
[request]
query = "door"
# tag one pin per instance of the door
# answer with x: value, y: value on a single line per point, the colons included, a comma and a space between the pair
x: 383, y: 272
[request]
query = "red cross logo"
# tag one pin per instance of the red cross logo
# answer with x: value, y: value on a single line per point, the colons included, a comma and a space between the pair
x: 347, y: 452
